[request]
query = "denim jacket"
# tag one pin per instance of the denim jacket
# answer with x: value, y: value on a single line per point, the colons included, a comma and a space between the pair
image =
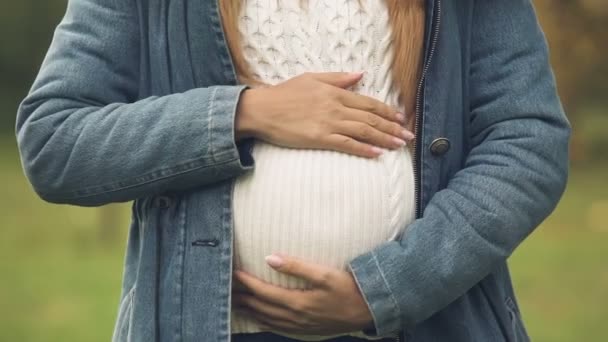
x: 135, y: 101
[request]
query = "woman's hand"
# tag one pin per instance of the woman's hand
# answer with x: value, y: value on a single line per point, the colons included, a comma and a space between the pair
x: 314, y: 110
x: 333, y: 305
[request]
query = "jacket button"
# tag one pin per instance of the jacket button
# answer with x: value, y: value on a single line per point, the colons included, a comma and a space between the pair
x: 163, y: 202
x: 440, y: 146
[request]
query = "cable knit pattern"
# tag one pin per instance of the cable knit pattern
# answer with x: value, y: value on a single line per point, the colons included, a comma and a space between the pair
x: 321, y: 206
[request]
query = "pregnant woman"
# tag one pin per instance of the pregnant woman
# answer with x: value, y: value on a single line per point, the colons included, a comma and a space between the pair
x: 322, y: 206
x: 305, y: 170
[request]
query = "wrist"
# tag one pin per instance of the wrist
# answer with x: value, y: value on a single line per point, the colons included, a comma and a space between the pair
x: 246, y: 124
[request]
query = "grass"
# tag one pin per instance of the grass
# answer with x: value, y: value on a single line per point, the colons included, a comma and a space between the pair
x: 61, y: 279
x: 59, y: 282
x: 561, y: 271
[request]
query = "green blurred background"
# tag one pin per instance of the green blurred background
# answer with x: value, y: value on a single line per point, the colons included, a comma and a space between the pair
x: 60, y: 266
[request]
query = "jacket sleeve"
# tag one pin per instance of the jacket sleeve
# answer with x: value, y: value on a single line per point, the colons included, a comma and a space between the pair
x: 85, y: 139
x: 512, y: 179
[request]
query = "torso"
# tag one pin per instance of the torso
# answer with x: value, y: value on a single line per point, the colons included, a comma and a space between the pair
x: 322, y: 206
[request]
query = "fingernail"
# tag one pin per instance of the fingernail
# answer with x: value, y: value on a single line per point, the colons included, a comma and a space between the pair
x: 407, y: 135
x: 399, y: 142
x: 377, y: 151
x: 274, y: 260
x: 356, y: 73
x: 400, y: 117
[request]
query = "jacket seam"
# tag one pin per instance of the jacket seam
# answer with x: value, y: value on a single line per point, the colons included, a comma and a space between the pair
x: 135, y: 184
x: 372, y: 312
x: 386, y: 284
x: 210, y: 111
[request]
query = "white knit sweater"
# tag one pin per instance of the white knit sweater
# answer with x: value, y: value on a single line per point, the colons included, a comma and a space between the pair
x: 321, y: 206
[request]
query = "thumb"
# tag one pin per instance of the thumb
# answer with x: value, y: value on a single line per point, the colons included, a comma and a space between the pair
x: 314, y: 273
x: 338, y: 79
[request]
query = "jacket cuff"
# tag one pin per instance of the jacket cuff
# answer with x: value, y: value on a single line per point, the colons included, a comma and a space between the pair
x: 223, y: 142
x: 377, y: 294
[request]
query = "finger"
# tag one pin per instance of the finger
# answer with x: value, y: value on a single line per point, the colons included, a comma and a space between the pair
x: 377, y: 122
x: 238, y: 287
x: 348, y: 145
x: 365, y: 133
x: 284, y: 326
x: 316, y: 274
x: 267, y: 292
x: 369, y: 104
x: 260, y: 307
x: 272, y: 324
x: 337, y: 79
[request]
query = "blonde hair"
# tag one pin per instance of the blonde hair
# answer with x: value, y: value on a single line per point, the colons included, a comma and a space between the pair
x: 407, y: 20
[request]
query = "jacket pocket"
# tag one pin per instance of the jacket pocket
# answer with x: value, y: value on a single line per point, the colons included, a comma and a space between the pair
x: 518, y: 330
x: 122, y: 329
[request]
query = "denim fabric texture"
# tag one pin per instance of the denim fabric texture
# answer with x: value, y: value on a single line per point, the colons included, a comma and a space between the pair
x: 135, y: 101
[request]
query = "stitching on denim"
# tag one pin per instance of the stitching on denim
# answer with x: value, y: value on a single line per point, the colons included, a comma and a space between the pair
x: 67, y: 196
x: 372, y: 312
x: 391, y: 294
x: 181, y: 264
x: 233, y: 113
x: 213, y: 157
x: 210, y: 111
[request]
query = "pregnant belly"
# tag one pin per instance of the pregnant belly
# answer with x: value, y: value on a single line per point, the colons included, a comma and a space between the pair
x: 321, y: 206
